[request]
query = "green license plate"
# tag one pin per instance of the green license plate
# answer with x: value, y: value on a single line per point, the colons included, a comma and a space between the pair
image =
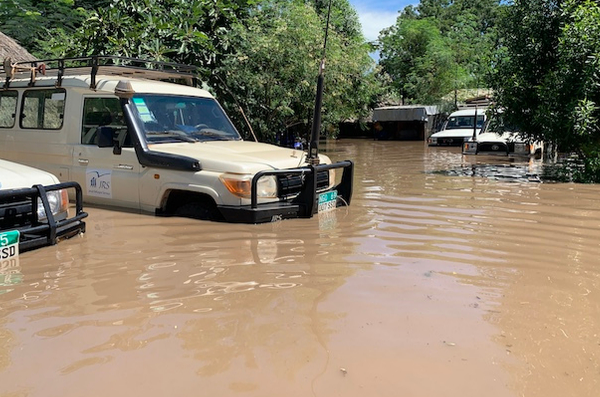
x: 9, y: 244
x: 327, y: 201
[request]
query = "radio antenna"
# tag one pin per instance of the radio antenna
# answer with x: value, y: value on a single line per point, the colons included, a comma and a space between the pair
x: 313, y: 145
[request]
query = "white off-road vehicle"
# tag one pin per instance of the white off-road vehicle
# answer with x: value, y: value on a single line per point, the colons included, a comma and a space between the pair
x: 134, y: 137
x: 34, y: 208
x: 498, y: 139
x: 459, y: 127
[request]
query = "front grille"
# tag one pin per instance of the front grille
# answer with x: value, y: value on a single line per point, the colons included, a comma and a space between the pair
x: 450, y: 141
x: 495, y: 147
x: 15, y: 213
x: 290, y: 185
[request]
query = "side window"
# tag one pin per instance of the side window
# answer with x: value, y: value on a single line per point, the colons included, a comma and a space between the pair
x: 43, y: 109
x: 103, y: 111
x: 8, y: 108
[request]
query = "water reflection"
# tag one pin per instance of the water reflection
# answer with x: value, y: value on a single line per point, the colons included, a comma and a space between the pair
x: 432, y: 279
x: 10, y: 274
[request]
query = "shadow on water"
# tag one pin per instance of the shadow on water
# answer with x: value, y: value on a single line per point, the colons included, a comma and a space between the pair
x: 505, y: 172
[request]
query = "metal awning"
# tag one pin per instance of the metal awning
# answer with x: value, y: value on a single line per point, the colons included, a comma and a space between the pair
x: 404, y: 113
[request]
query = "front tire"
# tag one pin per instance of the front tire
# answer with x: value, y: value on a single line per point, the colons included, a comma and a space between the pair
x: 199, y: 210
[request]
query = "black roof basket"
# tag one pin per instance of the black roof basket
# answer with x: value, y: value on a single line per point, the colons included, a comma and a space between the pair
x: 99, y: 64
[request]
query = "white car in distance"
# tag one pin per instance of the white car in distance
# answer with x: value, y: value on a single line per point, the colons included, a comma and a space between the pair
x: 459, y: 127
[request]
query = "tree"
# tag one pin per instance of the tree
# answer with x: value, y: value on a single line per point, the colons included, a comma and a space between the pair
x: 547, y: 75
x: 418, y: 60
x: 35, y: 22
x: 274, y: 65
x: 455, y: 40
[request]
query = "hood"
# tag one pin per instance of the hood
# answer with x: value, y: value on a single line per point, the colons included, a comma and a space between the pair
x: 456, y: 132
x: 14, y: 176
x: 237, y: 156
x: 496, y: 137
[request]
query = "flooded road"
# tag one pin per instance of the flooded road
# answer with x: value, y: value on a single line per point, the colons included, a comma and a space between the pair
x: 443, y: 278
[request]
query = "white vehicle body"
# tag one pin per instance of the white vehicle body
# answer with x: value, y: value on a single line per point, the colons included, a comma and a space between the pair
x: 501, y: 143
x: 459, y: 127
x: 15, y: 176
x: 159, y: 148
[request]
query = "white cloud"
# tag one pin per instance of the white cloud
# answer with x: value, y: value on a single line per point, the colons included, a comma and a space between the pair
x: 375, y: 21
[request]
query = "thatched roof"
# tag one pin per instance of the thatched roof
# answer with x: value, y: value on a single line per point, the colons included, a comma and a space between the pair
x: 10, y: 49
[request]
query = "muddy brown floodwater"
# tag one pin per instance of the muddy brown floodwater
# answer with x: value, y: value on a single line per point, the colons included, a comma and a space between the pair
x: 445, y: 277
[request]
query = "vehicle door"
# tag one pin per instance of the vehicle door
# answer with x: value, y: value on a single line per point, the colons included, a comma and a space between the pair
x: 106, y: 178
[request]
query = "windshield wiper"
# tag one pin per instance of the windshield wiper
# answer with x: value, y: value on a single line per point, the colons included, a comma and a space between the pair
x: 214, y: 134
x: 182, y: 136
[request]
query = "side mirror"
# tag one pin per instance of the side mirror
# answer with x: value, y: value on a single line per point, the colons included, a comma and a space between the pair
x: 107, y: 138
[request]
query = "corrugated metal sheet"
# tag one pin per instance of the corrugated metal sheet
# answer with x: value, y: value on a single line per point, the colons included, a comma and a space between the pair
x: 404, y: 113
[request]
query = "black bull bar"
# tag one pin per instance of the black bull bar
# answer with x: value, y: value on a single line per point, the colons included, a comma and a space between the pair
x: 35, y: 232
x: 302, y: 205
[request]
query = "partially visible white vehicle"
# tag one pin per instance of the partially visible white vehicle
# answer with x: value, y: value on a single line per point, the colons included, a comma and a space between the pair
x: 498, y: 139
x: 34, y: 209
x: 459, y: 127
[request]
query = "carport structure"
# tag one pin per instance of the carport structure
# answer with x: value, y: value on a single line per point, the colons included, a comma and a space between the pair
x: 406, y: 122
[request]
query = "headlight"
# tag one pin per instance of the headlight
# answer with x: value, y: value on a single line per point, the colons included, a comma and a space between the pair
x: 332, y: 180
x: 59, y: 204
x: 470, y: 147
x: 241, y: 185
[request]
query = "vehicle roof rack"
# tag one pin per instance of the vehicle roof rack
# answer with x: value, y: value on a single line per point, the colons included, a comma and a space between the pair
x: 99, y: 64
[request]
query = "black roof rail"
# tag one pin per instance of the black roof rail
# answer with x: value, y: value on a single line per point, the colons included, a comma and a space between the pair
x: 99, y: 65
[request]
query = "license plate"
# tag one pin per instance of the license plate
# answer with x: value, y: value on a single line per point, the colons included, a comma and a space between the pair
x: 327, y: 201
x: 9, y: 244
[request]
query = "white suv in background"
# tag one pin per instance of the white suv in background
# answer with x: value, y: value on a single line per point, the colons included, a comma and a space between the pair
x: 459, y: 127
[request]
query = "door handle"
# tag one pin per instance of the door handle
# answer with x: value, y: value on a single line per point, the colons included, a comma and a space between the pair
x: 83, y: 161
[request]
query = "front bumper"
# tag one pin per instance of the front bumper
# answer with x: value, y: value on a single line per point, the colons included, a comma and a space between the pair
x: 303, y: 205
x: 18, y: 211
x: 449, y: 141
x: 486, y: 148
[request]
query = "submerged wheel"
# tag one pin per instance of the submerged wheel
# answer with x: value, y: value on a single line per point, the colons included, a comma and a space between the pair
x: 199, y: 210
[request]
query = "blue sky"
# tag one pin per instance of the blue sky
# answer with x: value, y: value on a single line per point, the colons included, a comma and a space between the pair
x: 376, y: 15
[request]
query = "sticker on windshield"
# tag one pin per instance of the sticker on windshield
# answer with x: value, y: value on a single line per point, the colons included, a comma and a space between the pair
x: 145, y: 113
x: 99, y: 183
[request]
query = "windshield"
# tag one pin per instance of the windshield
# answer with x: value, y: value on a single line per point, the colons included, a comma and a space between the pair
x: 169, y: 118
x: 456, y: 122
x: 497, y: 124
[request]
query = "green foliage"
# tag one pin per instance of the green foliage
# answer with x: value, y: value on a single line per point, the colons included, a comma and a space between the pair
x: 439, y: 46
x: 192, y: 32
x: 530, y: 30
x: 274, y: 65
x: 35, y: 22
x: 418, y: 59
x: 547, y: 76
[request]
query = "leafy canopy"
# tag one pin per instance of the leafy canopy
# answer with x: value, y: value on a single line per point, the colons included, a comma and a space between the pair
x: 546, y: 73
x: 438, y: 46
x: 275, y: 60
